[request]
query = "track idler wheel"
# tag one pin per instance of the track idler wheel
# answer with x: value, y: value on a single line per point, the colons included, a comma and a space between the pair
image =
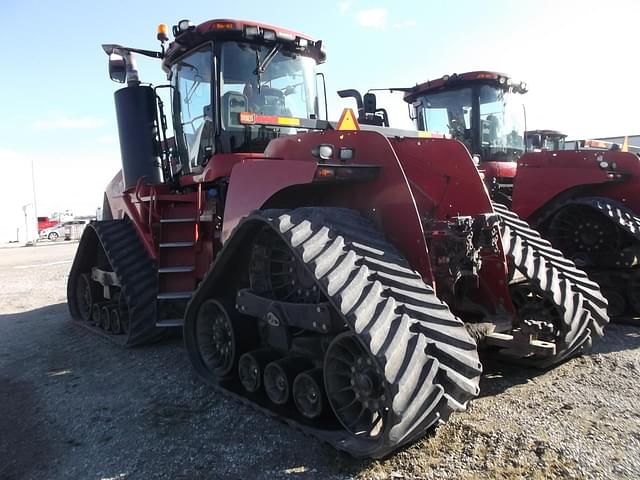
x: 217, y: 338
x: 251, y: 367
x: 308, y: 393
x: 356, y: 387
x: 86, y: 296
x: 279, y: 377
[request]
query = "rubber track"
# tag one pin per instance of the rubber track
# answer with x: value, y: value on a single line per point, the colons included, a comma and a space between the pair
x: 618, y: 213
x: 579, y: 298
x: 136, y: 273
x: 429, y: 360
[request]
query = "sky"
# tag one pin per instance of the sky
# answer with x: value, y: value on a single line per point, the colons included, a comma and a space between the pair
x: 579, y: 59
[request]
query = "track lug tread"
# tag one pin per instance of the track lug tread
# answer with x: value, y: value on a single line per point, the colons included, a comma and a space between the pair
x: 580, y: 299
x: 136, y: 273
x: 377, y: 293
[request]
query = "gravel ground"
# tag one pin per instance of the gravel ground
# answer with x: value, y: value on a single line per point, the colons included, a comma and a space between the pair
x: 75, y: 406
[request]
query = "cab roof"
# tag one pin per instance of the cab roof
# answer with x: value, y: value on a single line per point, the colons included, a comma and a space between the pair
x: 247, y: 30
x: 456, y: 80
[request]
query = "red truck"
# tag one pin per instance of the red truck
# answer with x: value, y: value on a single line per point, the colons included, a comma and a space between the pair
x: 46, y: 222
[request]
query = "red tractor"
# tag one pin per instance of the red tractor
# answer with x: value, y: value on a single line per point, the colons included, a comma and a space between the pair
x: 538, y: 140
x: 341, y: 280
x: 585, y: 202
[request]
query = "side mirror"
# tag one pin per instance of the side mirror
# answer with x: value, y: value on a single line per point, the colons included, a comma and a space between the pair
x: 117, y: 68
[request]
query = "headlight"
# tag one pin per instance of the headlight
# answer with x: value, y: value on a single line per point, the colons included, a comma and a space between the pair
x: 604, y: 165
x: 183, y: 25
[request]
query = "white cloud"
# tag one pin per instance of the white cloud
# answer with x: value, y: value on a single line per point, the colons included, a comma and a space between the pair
x: 61, y: 121
x: 405, y: 24
x: 344, y: 7
x: 372, y: 18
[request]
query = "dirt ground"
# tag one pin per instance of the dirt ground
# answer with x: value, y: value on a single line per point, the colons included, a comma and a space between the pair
x: 73, y: 405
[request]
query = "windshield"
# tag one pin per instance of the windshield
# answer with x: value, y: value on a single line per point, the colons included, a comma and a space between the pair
x: 544, y: 141
x: 495, y: 131
x: 501, y: 124
x: 265, y: 80
x: 448, y: 113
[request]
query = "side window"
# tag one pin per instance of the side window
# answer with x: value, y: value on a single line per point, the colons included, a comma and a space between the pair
x: 193, y: 110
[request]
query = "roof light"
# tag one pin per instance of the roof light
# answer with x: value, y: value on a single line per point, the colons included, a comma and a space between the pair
x: 224, y: 25
x: 286, y: 36
x: 302, y: 42
x: 502, y: 80
x: 163, y: 32
x: 250, y: 31
x: 445, y: 78
x: 184, y: 25
x: 269, y: 35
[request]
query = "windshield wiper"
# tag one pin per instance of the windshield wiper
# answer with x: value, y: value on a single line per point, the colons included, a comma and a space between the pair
x: 261, y: 65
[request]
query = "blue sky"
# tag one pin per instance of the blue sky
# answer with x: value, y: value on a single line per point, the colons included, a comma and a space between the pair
x: 580, y: 60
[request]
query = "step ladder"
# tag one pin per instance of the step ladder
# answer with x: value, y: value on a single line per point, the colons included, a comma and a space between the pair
x: 176, y: 262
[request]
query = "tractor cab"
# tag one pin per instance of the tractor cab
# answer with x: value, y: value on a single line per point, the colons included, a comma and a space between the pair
x: 234, y: 86
x: 539, y: 140
x: 483, y: 110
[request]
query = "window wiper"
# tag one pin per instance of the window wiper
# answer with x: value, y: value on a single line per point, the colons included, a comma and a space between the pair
x: 261, y: 65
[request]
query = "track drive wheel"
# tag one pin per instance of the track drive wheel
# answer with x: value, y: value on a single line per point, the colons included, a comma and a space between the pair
x: 275, y: 272
x: 582, y: 233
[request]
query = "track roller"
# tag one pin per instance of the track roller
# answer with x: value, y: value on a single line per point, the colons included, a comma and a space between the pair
x: 308, y: 393
x: 105, y: 318
x: 95, y: 313
x: 279, y: 377
x: 251, y: 367
x: 116, y: 326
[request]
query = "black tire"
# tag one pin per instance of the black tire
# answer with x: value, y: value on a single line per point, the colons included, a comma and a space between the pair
x: 53, y: 236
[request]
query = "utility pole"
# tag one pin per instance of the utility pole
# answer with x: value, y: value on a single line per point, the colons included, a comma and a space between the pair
x: 33, y: 187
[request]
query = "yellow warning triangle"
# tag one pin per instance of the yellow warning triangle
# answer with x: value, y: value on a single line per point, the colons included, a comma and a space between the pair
x: 348, y: 121
x: 625, y: 145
